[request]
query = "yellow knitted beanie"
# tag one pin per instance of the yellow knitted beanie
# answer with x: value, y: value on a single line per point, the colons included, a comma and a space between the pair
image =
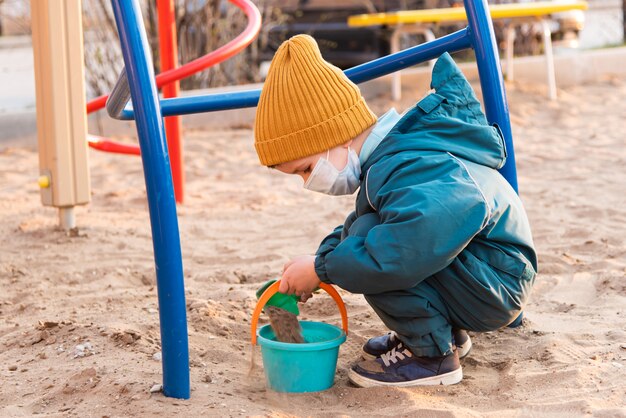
x: 307, y: 105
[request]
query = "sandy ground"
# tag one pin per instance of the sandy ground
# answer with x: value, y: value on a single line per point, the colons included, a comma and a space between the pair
x: 78, y: 314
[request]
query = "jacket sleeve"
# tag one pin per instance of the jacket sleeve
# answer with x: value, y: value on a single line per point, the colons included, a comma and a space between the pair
x: 334, y: 238
x: 427, y: 216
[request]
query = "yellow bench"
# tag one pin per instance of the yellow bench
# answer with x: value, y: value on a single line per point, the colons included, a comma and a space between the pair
x: 421, y: 22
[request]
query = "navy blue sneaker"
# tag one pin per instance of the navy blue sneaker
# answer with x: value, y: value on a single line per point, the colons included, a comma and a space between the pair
x: 376, y: 346
x: 400, y: 367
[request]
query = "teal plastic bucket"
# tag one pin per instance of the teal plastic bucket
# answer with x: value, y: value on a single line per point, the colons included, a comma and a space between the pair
x: 307, y: 367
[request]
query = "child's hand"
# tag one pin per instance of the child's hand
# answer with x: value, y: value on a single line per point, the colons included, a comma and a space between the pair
x: 299, y: 277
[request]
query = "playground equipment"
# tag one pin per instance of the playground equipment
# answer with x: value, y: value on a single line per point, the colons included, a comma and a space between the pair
x: 421, y: 22
x: 168, y: 80
x: 138, y: 84
x: 59, y: 75
x: 307, y: 367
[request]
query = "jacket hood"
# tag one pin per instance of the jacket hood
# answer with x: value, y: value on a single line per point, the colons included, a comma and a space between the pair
x: 449, y: 119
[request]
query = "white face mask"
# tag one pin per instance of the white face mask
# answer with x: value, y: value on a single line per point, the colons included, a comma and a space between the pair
x: 326, y: 178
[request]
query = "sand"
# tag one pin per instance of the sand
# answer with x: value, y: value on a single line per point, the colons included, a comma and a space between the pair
x: 79, y: 333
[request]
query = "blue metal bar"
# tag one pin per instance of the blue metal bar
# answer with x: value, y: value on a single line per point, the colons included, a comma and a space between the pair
x: 494, y: 95
x: 201, y: 104
x: 156, y: 165
x: 424, y: 52
x: 359, y: 74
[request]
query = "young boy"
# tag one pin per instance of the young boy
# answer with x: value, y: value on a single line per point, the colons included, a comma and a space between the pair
x: 438, y: 243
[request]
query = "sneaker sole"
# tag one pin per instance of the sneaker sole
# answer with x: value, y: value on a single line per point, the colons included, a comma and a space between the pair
x: 463, y: 349
x: 450, y: 378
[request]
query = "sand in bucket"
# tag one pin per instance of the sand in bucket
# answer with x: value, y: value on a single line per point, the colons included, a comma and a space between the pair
x: 286, y: 327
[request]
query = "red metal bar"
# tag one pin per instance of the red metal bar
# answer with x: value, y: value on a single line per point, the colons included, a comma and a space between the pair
x: 168, y: 79
x: 221, y: 54
x: 168, y: 47
x: 106, y: 145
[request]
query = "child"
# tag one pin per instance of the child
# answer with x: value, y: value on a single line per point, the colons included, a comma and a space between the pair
x: 438, y: 243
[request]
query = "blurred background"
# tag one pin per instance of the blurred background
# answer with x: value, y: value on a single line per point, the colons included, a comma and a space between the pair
x: 204, y: 25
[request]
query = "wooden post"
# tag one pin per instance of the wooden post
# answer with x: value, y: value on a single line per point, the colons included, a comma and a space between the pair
x: 61, y: 118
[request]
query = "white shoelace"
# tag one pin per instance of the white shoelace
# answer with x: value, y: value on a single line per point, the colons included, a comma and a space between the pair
x: 395, y: 354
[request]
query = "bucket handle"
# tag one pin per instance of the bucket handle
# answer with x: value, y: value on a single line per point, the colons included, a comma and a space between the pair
x: 273, y: 289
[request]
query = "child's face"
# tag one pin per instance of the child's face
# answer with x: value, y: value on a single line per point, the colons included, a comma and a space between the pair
x: 337, y: 156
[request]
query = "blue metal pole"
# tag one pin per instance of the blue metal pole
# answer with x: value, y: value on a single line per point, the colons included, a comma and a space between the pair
x: 158, y: 177
x: 424, y: 52
x: 359, y: 74
x: 494, y: 95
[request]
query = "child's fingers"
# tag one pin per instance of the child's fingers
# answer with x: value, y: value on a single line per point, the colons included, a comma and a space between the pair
x: 284, y: 285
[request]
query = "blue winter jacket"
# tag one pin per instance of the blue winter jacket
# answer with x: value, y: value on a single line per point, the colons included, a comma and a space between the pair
x: 429, y: 190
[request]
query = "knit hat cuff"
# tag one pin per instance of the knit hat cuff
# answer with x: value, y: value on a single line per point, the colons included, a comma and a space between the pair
x: 323, y: 136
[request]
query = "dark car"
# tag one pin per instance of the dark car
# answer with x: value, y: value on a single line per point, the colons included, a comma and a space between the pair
x: 326, y: 21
